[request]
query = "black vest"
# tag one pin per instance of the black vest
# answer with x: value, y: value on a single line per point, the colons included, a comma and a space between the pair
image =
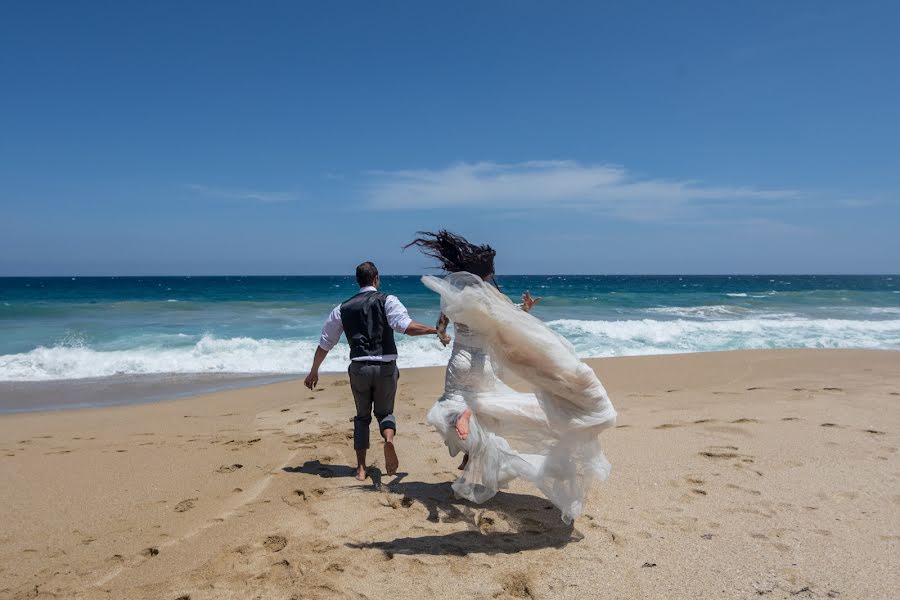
x: 366, y: 326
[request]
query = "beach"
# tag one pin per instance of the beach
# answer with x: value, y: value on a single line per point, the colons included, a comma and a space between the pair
x: 741, y: 474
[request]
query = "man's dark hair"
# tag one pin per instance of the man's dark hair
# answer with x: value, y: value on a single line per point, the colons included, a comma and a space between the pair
x: 366, y: 274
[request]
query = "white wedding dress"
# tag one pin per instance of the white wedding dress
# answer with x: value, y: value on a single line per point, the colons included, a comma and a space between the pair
x: 548, y: 437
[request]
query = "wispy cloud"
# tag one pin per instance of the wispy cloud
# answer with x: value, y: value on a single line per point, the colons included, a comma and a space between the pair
x: 556, y: 184
x: 857, y: 202
x: 241, y: 194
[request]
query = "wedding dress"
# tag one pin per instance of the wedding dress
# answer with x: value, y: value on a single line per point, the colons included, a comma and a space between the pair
x: 548, y: 437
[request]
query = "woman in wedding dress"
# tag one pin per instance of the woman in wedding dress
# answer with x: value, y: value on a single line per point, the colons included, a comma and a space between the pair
x: 549, y: 436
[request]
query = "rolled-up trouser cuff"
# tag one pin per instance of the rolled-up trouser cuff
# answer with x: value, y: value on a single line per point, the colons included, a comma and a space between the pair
x: 389, y: 422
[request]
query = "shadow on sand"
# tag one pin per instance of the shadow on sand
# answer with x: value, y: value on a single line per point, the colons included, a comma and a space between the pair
x: 528, y: 522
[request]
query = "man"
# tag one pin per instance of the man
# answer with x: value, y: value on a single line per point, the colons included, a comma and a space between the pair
x: 369, y: 320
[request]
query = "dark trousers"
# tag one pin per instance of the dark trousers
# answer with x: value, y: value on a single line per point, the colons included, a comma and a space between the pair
x: 374, y: 385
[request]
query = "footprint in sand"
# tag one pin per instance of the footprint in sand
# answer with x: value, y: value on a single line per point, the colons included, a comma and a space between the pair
x: 829, y: 425
x: 185, y: 505
x: 518, y: 584
x: 229, y: 468
x: 743, y: 489
x: 720, y: 452
x: 275, y: 543
x: 873, y: 431
x: 149, y: 552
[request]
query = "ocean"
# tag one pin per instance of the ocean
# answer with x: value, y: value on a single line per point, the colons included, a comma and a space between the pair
x: 225, y: 329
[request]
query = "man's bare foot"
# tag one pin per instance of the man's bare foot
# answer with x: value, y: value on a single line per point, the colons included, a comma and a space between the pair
x: 391, y: 462
x: 464, y: 462
x: 361, y: 473
x: 462, y: 424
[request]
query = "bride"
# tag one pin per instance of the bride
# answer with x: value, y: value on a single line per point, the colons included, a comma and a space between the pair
x: 549, y: 436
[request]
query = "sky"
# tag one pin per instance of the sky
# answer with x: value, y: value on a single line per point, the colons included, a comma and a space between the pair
x: 575, y: 137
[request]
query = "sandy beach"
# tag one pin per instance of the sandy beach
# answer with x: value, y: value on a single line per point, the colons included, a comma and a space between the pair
x: 745, y: 474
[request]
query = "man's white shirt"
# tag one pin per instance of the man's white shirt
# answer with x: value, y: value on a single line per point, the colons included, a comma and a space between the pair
x: 397, y: 316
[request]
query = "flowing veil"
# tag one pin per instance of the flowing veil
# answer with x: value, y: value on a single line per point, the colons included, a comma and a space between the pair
x: 550, y: 436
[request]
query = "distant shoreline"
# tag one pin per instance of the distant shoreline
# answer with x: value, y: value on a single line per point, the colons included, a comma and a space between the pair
x: 432, y: 271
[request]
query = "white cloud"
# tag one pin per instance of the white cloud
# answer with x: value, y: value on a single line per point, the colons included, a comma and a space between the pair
x: 858, y: 202
x: 559, y: 184
x: 242, y: 194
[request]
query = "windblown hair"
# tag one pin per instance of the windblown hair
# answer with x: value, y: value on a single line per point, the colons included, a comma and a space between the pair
x: 456, y: 253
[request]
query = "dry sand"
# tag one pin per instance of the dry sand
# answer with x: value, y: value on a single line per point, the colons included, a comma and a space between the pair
x: 767, y: 474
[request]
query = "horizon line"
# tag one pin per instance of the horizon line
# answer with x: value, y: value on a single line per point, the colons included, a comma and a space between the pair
x: 732, y: 274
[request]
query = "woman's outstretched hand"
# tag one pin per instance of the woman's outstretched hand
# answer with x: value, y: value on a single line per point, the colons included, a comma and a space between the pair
x: 528, y: 301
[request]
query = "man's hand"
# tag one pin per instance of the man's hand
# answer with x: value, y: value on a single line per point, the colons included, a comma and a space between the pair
x: 312, y: 379
x: 445, y: 339
x: 528, y: 302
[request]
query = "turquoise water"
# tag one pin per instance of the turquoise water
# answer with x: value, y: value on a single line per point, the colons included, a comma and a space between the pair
x: 72, y: 328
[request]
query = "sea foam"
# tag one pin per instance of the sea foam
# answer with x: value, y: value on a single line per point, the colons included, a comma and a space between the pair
x: 591, y: 338
x: 209, y: 355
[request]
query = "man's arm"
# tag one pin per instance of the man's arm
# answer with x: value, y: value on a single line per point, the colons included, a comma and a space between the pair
x: 416, y: 328
x: 331, y: 333
x: 400, y: 321
x: 313, y: 378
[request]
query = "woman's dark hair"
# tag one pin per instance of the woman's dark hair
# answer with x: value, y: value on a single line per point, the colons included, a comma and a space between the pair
x: 456, y: 253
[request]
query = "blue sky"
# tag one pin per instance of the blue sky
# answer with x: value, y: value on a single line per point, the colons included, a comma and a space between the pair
x: 575, y: 137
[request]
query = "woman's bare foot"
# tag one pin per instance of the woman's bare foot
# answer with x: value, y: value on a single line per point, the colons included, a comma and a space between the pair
x: 464, y: 462
x: 462, y: 424
x: 361, y: 473
x: 391, y: 462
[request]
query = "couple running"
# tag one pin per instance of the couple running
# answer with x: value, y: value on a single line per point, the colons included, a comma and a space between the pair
x: 548, y: 436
